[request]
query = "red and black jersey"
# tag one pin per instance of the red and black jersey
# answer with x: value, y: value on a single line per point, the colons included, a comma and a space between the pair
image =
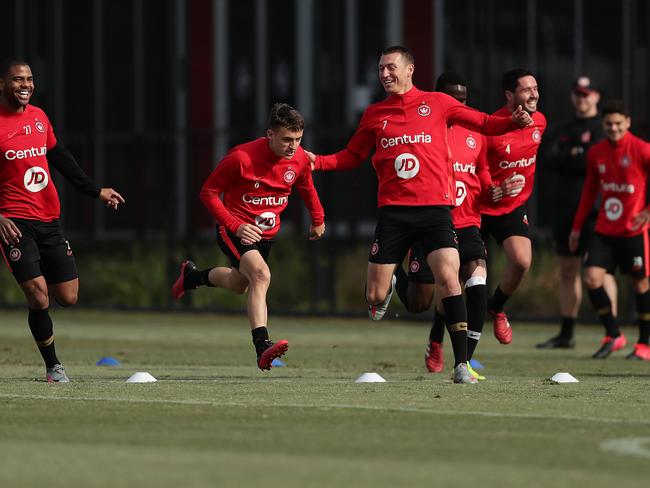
x: 619, y: 171
x: 408, y: 134
x: 514, y: 152
x: 26, y: 187
x: 468, y: 152
x: 256, y: 185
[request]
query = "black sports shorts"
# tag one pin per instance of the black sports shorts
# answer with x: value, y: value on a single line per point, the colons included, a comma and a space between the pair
x: 42, y: 251
x: 501, y: 227
x: 630, y: 254
x: 232, y: 246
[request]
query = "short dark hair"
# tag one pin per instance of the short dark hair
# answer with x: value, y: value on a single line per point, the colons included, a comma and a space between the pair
x: 7, y: 64
x: 406, y: 54
x: 616, y: 107
x: 510, y: 79
x: 450, y: 78
x: 285, y: 116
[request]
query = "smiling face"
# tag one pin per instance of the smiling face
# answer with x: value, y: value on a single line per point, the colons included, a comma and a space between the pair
x: 616, y: 126
x: 284, y: 142
x: 17, y: 86
x: 395, y: 74
x: 526, y: 94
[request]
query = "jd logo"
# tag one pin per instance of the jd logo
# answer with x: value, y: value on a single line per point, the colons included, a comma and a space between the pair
x: 407, y: 166
x: 35, y: 179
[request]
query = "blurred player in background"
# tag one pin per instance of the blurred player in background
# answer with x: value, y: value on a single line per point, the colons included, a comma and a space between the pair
x: 407, y: 132
x: 567, y: 157
x: 617, y: 169
x: 33, y: 244
x: 256, y: 180
x: 512, y: 157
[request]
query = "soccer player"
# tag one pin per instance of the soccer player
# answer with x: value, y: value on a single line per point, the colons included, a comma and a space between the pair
x: 617, y: 169
x: 512, y: 156
x: 32, y: 241
x: 408, y: 132
x: 416, y: 290
x: 567, y: 157
x: 255, y: 179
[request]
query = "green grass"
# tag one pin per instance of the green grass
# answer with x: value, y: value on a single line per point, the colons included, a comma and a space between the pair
x: 214, y: 420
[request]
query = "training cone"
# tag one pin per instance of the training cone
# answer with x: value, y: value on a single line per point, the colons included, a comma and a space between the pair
x: 563, y: 378
x: 370, y: 378
x: 107, y: 361
x: 476, y: 364
x: 141, y: 377
x: 278, y: 363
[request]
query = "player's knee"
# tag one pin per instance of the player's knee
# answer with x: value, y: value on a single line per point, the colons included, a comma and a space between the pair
x: 67, y: 299
x: 261, y: 276
x: 592, y: 281
x: 38, y: 301
x: 419, y: 304
x: 239, y: 288
x: 375, y: 296
x: 522, y: 263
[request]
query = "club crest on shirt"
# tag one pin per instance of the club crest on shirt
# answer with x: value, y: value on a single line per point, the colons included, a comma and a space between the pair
x: 40, y: 126
x: 537, y: 135
x: 625, y: 161
x: 289, y: 176
x: 471, y: 142
x: 424, y: 110
x: 15, y: 254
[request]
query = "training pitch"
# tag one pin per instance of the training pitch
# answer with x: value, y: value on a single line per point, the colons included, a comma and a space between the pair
x: 213, y: 419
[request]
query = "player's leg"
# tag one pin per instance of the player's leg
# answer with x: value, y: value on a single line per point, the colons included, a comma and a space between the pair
x: 636, y: 263
x: 476, y: 297
x: 415, y: 289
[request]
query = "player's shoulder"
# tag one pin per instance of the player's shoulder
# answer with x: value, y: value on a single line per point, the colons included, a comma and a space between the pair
x: 539, y: 118
x: 250, y: 149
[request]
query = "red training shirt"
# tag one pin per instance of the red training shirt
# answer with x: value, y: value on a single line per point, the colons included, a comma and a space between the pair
x: 468, y: 151
x: 514, y: 152
x: 26, y: 187
x: 620, y: 172
x: 408, y: 133
x: 256, y: 185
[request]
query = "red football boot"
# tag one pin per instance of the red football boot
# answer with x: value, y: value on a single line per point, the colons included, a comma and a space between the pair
x: 433, y: 358
x: 502, y: 329
x: 178, y: 288
x: 275, y: 350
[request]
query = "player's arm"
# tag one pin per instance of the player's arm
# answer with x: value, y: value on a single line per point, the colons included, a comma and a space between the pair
x: 643, y: 217
x: 355, y: 153
x: 226, y: 173
x: 587, y: 198
x: 490, y: 191
x: 307, y: 190
x: 60, y: 158
x: 489, y: 125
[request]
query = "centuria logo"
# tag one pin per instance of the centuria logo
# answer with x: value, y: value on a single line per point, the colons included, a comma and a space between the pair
x: 471, y: 142
x: 424, y: 110
x: 15, y: 254
x: 537, y: 136
x: 289, y: 176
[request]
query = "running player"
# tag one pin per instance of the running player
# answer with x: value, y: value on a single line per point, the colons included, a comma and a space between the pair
x: 408, y: 131
x: 33, y: 244
x: 512, y: 156
x: 472, y: 175
x: 567, y: 157
x: 617, y: 169
x: 256, y: 179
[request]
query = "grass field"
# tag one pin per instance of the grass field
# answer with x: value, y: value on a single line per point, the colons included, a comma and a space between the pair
x: 214, y: 420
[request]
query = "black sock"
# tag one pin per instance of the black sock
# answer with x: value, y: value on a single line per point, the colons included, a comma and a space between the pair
x: 498, y: 300
x: 197, y: 278
x: 40, y: 324
x: 476, y: 296
x: 643, y: 310
x: 260, y: 339
x: 568, y: 325
x: 456, y: 320
x: 603, y: 305
x: 402, y: 285
x: 437, y: 333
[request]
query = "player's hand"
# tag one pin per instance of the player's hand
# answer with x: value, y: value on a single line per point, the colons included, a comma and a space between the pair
x: 111, y: 198
x: 312, y: 159
x: 521, y: 117
x: 574, y: 239
x: 495, y: 192
x: 641, y: 219
x: 316, y: 232
x: 9, y: 233
x: 512, y: 185
x: 249, y: 233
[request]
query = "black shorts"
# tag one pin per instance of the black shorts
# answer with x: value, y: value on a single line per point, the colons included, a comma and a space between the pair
x: 232, y: 246
x: 561, y: 231
x: 470, y: 248
x: 42, y: 251
x: 629, y: 254
x: 501, y: 227
x: 400, y: 226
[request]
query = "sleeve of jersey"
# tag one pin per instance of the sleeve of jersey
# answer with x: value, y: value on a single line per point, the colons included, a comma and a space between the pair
x: 489, y: 125
x: 589, y: 193
x: 483, y: 172
x: 64, y: 162
x: 355, y: 153
x: 307, y: 191
x: 215, y: 185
